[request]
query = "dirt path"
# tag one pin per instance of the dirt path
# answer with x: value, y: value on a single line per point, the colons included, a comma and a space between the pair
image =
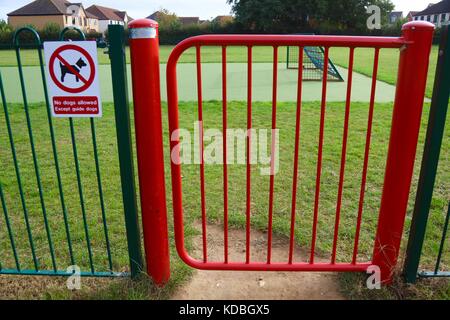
x: 228, y: 285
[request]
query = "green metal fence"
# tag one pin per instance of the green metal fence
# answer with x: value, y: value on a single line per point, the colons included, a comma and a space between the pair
x: 433, y: 144
x: 57, y: 209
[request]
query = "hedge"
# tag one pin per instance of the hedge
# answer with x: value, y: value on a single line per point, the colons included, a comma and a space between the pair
x: 49, y: 33
x: 174, y: 36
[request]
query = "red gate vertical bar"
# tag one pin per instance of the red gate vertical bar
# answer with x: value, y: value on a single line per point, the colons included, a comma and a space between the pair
x: 362, y: 190
x: 409, y: 98
x: 323, y: 108
x: 296, y: 152
x: 144, y: 51
x: 248, y: 205
x: 201, y: 147
x: 272, y: 154
x: 225, y: 158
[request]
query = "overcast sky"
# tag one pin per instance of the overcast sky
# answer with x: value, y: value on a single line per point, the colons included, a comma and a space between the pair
x: 205, y: 9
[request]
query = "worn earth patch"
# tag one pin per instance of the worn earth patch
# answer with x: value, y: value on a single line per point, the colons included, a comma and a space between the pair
x: 244, y: 285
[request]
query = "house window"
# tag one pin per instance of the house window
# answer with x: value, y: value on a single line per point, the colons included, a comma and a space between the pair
x: 422, y: 18
x: 443, y: 17
x: 74, y: 21
x: 435, y: 20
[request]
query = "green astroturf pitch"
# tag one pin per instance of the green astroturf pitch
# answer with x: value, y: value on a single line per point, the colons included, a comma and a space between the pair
x: 212, y: 84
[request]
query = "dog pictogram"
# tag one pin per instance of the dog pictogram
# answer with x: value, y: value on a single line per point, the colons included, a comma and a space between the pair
x: 77, y: 67
x: 61, y: 65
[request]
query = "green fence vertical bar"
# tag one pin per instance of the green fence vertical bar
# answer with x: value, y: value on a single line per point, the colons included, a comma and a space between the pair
x: 122, y: 115
x: 433, y: 142
x: 444, y: 236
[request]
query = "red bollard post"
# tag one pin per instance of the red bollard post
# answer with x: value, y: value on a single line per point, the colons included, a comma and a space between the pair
x: 144, y: 52
x: 409, y: 98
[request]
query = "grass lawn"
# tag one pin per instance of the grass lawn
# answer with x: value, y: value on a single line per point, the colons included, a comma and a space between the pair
x: 363, y: 59
x: 109, y: 167
x: 388, y: 64
x: 214, y: 199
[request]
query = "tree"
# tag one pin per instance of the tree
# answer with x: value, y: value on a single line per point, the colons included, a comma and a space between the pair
x: 270, y: 16
x: 351, y: 14
x: 167, y: 20
x: 50, y: 31
x: 4, y: 26
x: 293, y: 15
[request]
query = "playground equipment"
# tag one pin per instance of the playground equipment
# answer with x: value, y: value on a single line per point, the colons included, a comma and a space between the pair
x: 313, y: 63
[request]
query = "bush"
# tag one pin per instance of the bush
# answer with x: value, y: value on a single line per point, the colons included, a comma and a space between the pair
x: 50, y: 32
x: 171, y: 34
x: 4, y: 26
x: 175, y: 35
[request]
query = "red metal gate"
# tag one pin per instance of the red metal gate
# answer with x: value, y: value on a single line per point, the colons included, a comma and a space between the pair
x: 414, y: 45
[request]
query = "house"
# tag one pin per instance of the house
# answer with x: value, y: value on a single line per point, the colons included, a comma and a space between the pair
x: 411, y: 14
x: 107, y: 16
x: 395, y: 16
x: 438, y: 13
x: 155, y: 15
x: 60, y: 12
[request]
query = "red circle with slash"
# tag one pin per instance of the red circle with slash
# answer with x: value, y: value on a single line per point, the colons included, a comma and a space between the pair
x: 57, y: 55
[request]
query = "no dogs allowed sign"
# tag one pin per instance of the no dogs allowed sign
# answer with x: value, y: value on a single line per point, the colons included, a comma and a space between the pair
x: 72, y: 78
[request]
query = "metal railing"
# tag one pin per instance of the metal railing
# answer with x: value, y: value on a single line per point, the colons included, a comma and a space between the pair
x: 92, y: 245
x: 415, y: 45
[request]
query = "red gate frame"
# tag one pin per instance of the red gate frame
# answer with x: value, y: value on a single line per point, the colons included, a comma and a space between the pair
x: 415, y: 46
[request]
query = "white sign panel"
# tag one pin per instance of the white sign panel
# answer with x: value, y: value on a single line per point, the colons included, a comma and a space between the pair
x: 72, y: 78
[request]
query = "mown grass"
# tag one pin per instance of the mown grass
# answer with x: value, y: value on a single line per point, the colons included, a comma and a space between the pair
x: 306, y: 176
x: 214, y: 198
x: 110, y: 174
x: 388, y: 66
x: 353, y: 286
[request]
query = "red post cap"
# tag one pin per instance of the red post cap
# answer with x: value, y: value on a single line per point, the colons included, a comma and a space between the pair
x: 418, y: 25
x: 143, y: 23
